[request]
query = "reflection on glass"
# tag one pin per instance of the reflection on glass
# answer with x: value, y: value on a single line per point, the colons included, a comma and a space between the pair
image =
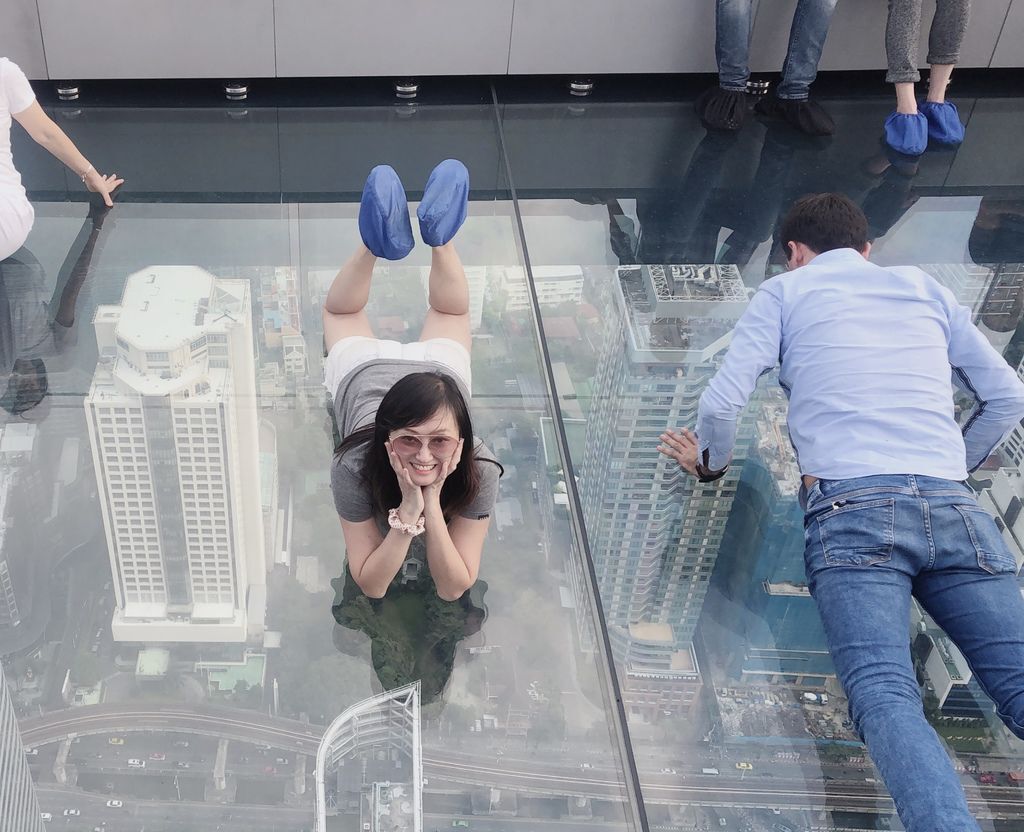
x: 174, y: 430
x: 413, y: 633
x: 733, y: 704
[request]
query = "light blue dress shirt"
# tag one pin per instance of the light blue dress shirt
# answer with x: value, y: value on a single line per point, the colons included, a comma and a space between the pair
x: 868, y: 359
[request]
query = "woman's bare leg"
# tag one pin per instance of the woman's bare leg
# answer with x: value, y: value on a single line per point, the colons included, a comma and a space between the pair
x: 938, y: 80
x: 906, y: 100
x: 344, y: 308
x: 448, y: 296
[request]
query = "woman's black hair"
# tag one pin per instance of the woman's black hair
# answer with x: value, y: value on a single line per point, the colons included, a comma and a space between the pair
x: 412, y: 400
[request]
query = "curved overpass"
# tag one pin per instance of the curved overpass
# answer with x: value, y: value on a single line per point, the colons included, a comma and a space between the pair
x: 535, y: 778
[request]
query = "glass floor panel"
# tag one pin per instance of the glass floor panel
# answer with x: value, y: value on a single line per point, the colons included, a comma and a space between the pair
x: 639, y: 652
x: 645, y: 235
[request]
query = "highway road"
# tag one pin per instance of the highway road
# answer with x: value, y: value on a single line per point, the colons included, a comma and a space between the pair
x: 455, y: 770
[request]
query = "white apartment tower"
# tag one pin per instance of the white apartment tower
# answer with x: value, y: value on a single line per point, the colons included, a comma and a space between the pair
x: 172, y: 418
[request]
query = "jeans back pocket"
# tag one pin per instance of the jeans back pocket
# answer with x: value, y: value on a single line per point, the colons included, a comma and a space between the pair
x: 858, y: 534
x: 993, y: 555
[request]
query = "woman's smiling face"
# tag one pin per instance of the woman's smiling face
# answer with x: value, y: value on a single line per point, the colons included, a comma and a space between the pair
x: 424, y: 448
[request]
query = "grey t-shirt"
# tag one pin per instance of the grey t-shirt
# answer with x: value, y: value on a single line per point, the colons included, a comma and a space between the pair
x: 356, y: 401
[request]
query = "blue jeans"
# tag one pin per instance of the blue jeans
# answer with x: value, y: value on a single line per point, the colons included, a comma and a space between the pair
x: 734, y: 21
x: 871, y: 543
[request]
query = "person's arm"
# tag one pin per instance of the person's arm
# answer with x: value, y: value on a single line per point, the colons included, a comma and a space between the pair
x: 984, y: 373
x: 48, y: 135
x: 453, y: 552
x: 454, y: 548
x: 753, y: 351
x: 374, y: 560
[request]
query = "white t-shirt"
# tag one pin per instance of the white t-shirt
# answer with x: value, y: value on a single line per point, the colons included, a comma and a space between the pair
x: 15, y: 96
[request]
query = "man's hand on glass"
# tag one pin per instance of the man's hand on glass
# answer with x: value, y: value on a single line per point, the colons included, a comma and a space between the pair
x: 681, y: 445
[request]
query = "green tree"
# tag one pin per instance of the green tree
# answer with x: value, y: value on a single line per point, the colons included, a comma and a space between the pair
x: 328, y: 686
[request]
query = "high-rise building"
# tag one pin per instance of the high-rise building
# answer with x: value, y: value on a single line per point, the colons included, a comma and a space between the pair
x: 654, y: 531
x: 19, y: 807
x: 783, y: 637
x: 373, y: 753
x: 172, y: 417
x: 23, y: 559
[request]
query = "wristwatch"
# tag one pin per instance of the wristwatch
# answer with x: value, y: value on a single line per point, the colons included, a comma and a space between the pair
x: 705, y: 474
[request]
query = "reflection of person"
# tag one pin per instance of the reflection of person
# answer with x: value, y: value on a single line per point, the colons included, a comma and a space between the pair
x: 18, y: 101
x: 910, y: 128
x: 413, y: 632
x: 682, y: 221
x: 408, y: 464
x: 998, y: 232
x: 866, y: 359
x: 725, y: 106
x: 33, y: 326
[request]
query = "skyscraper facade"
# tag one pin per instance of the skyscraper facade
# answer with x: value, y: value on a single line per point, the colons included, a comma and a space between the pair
x: 654, y: 531
x: 19, y: 808
x: 173, y: 426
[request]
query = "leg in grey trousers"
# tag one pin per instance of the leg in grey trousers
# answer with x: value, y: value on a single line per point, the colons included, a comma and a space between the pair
x: 904, y: 27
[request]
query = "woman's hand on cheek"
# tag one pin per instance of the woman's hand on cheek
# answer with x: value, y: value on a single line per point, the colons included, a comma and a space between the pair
x: 411, y: 508
x: 432, y: 492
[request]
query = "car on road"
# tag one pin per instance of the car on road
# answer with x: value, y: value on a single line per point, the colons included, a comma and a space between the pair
x: 282, y: 760
x: 269, y: 770
x: 183, y: 764
x: 114, y: 804
x: 158, y: 755
x: 585, y: 766
x: 71, y: 813
x: 32, y: 752
x: 181, y: 743
x: 115, y: 741
x: 744, y: 766
x: 668, y: 771
x: 460, y: 824
x: 133, y: 763
x: 45, y: 816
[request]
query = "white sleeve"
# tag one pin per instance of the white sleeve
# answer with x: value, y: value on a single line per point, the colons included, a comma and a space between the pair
x: 16, y: 88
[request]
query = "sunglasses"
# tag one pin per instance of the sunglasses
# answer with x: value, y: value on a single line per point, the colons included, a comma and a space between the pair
x: 410, y: 444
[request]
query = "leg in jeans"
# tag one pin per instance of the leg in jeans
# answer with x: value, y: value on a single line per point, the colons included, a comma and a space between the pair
x: 861, y: 557
x: 972, y: 593
x: 734, y: 21
x: 806, y: 41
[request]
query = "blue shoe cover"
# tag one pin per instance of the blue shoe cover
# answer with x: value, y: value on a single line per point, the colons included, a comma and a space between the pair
x: 445, y: 202
x: 907, y: 133
x: 384, y: 215
x: 944, y: 124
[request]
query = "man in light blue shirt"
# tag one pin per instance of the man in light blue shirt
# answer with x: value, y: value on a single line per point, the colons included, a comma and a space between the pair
x: 868, y: 358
